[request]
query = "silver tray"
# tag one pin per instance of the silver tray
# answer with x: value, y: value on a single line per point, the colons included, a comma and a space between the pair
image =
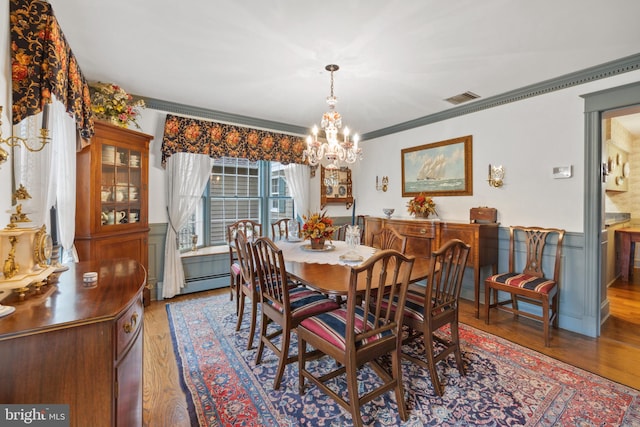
x: 325, y: 248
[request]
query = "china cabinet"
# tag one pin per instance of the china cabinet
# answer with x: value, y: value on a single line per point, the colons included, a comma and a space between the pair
x: 112, y: 195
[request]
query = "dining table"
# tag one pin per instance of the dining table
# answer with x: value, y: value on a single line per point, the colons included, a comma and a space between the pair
x: 328, y: 270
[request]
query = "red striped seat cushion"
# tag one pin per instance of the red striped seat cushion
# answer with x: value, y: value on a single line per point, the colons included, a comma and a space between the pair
x: 526, y: 281
x: 306, y: 302
x: 413, y: 306
x: 332, y: 326
x: 235, y: 269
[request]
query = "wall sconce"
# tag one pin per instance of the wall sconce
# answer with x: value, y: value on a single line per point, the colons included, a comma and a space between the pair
x: 496, y: 176
x: 14, y: 141
x: 385, y: 183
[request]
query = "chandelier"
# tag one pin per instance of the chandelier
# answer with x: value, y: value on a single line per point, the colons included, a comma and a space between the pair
x: 333, y: 148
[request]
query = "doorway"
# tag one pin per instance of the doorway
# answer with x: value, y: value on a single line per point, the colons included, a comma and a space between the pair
x: 595, y: 240
x: 621, y: 155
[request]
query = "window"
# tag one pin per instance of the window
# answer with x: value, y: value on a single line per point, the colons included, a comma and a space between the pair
x: 238, y: 189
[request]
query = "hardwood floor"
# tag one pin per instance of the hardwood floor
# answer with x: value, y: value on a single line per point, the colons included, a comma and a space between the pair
x: 613, y: 355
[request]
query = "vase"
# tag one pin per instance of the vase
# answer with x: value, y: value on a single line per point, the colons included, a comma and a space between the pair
x: 422, y: 214
x: 317, y: 243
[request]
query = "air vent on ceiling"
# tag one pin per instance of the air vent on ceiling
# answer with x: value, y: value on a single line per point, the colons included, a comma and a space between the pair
x: 463, y: 97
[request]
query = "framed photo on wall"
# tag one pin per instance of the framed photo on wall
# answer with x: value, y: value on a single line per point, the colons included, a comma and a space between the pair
x: 442, y: 168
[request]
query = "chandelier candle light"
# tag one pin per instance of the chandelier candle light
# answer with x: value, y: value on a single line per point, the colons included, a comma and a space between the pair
x: 332, y: 148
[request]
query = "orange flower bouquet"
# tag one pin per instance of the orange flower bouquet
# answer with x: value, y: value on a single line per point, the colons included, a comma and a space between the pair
x: 422, y: 206
x: 317, y: 227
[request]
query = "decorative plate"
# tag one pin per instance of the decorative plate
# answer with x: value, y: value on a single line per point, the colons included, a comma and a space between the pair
x: 342, y: 190
x: 329, y: 189
x: 626, y: 170
x: 618, y: 159
x: 325, y: 248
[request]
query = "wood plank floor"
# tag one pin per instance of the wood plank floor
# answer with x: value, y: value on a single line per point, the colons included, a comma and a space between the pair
x: 613, y: 355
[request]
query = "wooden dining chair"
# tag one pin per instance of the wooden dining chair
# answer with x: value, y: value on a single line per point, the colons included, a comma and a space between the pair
x: 340, y: 233
x: 389, y: 238
x: 248, y: 286
x: 251, y: 229
x: 530, y: 248
x: 427, y: 311
x: 281, y: 228
x: 360, y: 333
x: 283, y: 303
x: 361, y: 222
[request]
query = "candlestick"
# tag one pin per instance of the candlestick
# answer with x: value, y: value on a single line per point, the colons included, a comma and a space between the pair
x: 353, y: 213
x: 45, y: 116
x: 54, y: 225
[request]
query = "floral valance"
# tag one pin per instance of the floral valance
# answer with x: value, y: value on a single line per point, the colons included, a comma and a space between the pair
x: 42, y: 64
x: 187, y: 135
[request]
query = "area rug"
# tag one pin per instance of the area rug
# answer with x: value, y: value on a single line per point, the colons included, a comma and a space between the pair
x: 505, y: 384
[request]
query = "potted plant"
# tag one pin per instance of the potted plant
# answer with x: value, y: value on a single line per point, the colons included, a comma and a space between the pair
x: 111, y: 103
x: 421, y: 206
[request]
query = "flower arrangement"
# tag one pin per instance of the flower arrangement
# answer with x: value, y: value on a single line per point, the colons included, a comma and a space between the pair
x: 317, y: 226
x: 421, y: 205
x: 110, y: 102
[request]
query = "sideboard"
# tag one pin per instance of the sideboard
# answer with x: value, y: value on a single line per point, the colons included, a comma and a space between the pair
x: 424, y: 236
x: 79, y: 345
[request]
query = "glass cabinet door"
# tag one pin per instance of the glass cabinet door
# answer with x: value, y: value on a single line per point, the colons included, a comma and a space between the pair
x: 120, y: 186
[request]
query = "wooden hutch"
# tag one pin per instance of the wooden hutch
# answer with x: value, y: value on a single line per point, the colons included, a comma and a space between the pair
x: 112, y: 184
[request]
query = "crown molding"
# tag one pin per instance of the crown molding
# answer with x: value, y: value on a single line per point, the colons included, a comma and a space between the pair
x: 602, y: 71
x: 221, y: 116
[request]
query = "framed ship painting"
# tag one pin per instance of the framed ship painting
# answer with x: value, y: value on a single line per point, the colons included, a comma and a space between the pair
x: 440, y: 169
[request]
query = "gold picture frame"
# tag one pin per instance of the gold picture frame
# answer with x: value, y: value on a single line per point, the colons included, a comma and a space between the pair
x: 439, y: 169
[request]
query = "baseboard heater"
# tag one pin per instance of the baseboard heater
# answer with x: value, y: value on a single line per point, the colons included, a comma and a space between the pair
x: 205, y: 283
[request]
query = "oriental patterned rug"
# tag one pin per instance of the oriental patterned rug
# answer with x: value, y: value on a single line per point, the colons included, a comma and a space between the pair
x: 505, y: 384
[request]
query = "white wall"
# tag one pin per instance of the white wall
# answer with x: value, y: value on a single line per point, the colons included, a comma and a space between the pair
x: 528, y: 138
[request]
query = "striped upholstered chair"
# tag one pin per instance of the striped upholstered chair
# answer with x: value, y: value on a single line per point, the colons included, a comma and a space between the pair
x: 530, y: 248
x: 429, y: 310
x: 251, y: 229
x: 282, y: 303
x: 360, y: 333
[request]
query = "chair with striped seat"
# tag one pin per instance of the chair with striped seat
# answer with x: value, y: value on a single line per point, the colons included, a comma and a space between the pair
x: 282, y: 303
x: 428, y: 310
x: 359, y: 333
x: 248, y: 286
x: 530, y: 247
x: 251, y: 229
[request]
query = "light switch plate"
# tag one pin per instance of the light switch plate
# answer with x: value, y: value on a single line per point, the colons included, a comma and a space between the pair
x: 560, y: 172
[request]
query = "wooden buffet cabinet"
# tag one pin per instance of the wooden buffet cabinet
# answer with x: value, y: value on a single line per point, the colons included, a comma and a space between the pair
x: 112, y: 179
x: 79, y: 345
x: 424, y: 236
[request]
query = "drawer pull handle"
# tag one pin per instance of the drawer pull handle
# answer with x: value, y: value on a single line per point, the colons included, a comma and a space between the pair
x: 129, y: 327
x: 423, y: 231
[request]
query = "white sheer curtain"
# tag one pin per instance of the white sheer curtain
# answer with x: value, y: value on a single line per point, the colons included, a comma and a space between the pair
x: 64, y: 173
x: 33, y: 171
x: 50, y: 175
x: 187, y: 177
x: 298, y: 178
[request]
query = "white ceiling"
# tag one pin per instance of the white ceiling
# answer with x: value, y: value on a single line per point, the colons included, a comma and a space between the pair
x: 398, y: 59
